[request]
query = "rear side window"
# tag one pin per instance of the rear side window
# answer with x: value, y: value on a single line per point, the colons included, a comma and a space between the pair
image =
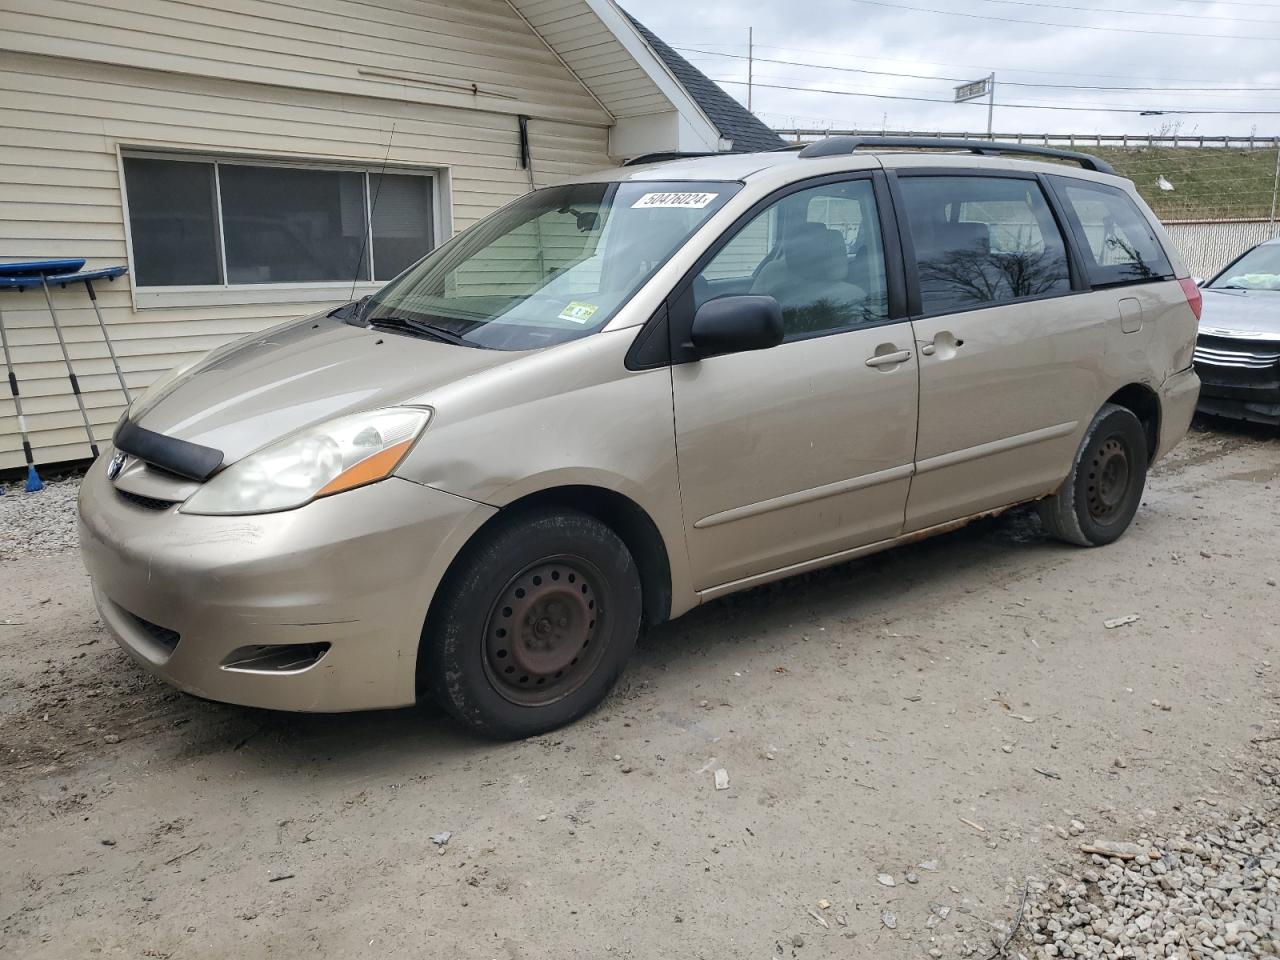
x: 981, y: 241
x: 1118, y: 243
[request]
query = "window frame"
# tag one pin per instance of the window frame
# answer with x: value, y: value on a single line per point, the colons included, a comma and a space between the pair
x: 322, y: 291
x: 1076, y: 277
x: 676, y: 312
x: 1059, y: 182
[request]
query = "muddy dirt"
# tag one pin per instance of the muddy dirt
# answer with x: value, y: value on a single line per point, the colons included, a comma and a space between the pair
x: 944, y: 711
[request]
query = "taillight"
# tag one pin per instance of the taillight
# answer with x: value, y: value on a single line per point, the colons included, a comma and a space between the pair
x: 1195, y: 299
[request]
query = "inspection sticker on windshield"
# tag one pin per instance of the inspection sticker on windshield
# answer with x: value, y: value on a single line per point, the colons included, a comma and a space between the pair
x: 690, y: 201
x: 578, y: 312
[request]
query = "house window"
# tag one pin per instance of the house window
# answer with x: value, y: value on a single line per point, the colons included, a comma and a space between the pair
x: 234, y: 223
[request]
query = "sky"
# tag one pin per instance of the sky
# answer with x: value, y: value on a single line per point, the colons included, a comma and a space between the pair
x: 870, y: 46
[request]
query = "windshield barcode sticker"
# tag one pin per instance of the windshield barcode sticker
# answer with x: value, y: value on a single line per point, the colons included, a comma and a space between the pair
x: 691, y: 201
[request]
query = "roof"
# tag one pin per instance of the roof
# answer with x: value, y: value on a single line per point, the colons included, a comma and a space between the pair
x: 748, y: 133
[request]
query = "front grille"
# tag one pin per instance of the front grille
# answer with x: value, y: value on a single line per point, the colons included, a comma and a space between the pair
x: 166, y: 638
x: 1228, y: 352
x: 146, y: 503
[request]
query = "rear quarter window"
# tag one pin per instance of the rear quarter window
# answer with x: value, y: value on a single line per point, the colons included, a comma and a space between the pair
x: 1116, y: 241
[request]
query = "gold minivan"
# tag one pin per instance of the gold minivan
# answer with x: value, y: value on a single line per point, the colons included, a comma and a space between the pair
x: 618, y: 398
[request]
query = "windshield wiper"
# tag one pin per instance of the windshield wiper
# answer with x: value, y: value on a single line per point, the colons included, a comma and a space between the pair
x: 421, y: 328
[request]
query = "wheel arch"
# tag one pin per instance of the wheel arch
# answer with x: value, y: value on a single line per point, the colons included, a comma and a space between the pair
x: 1143, y: 403
x: 620, y: 513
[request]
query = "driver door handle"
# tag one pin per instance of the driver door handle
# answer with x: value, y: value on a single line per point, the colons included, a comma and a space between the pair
x: 889, y: 359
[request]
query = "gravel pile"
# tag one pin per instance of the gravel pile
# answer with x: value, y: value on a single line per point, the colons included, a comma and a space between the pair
x: 38, y: 524
x: 1209, y: 892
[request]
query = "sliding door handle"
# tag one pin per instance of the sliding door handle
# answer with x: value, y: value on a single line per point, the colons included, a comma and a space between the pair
x: 889, y: 359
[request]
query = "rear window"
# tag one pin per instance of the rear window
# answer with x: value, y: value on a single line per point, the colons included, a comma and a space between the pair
x: 1116, y: 239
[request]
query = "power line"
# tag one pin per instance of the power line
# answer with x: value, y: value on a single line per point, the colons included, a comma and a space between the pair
x: 1014, y: 106
x: 1067, y: 26
x: 1014, y: 83
x: 981, y: 68
x: 1135, y: 13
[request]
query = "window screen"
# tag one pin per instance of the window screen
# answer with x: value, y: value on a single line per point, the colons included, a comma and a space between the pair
x: 1119, y: 244
x: 173, y: 222
x: 983, y: 240
x: 817, y: 252
x: 291, y: 226
x: 275, y: 223
x: 402, y: 219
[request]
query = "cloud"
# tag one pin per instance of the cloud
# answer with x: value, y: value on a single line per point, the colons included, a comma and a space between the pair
x: 846, y: 33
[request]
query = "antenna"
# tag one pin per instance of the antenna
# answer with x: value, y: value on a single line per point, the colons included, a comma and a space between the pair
x: 373, y: 205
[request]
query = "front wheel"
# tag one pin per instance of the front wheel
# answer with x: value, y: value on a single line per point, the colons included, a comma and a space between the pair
x: 533, y: 626
x: 1100, y: 497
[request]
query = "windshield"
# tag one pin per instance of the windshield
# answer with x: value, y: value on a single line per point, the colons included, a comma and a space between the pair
x: 1259, y: 269
x: 555, y: 265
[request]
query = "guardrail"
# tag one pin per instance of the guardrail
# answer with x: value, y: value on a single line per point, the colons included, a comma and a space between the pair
x: 1252, y: 141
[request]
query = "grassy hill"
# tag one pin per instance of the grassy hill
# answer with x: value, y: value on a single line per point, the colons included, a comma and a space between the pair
x: 1208, y: 183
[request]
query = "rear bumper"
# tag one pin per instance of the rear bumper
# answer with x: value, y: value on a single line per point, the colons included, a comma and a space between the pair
x: 1177, y: 407
x: 342, y: 584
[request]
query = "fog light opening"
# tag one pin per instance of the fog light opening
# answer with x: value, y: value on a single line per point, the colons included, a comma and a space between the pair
x: 275, y: 658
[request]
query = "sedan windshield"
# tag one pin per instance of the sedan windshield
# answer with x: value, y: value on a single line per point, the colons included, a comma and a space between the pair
x: 555, y: 265
x: 1259, y: 269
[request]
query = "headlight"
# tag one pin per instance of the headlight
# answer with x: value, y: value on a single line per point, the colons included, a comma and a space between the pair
x: 148, y: 397
x: 316, y: 462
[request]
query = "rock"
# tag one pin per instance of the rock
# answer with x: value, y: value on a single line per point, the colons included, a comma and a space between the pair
x: 1110, y: 848
x: 722, y: 779
x: 440, y: 839
x: 889, y: 920
x: 887, y: 880
x: 1124, y: 621
x: 912, y: 878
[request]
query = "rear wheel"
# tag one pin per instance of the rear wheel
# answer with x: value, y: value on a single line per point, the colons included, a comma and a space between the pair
x: 533, y: 626
x: 1100, y: 497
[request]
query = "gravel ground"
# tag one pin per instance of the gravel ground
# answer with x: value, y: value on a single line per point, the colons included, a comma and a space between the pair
x: 38, y: 524
x: 1210, y: 890
x: 918, y: 745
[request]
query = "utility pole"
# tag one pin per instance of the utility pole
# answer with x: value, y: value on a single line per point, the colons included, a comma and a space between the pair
x: 991, y: 104
x: 751, y: 55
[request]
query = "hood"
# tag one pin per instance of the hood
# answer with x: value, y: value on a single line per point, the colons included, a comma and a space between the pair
x: 263, y: 388
x: 1247, y: 314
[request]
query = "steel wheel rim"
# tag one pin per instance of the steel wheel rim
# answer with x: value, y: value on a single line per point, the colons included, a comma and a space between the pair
x: 1110, y: 474
x: 544, y: 633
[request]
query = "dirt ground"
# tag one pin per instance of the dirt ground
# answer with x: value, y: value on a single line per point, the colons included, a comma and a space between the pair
x: 944, y: 710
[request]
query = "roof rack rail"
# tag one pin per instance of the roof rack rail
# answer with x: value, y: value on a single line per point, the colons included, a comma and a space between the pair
x: 664, y: 156
x: 839, y: 146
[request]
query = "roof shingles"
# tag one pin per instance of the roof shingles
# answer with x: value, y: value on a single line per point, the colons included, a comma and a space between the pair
x: 748, y: 133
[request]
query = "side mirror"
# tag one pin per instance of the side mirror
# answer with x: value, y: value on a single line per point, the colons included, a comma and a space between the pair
x: 1198, y: 281
x: 736, y: 324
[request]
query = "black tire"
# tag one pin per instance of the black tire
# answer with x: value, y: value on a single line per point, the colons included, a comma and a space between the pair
x: 533, y: 625
x: 1097, y: 502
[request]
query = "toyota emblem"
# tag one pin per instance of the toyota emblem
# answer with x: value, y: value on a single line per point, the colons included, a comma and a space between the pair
x: 116, y: 465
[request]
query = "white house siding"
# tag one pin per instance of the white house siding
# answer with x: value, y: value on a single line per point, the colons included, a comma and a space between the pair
x: 81, y: 81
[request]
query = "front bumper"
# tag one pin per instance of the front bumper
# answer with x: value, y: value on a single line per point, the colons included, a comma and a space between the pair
x: 342, y: 585
x: 1240, y: 378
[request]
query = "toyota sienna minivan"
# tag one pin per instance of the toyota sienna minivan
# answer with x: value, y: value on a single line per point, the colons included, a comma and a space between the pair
x: 620, y: 397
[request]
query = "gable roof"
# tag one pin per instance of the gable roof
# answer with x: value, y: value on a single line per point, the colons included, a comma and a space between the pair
x: 748, y: 133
